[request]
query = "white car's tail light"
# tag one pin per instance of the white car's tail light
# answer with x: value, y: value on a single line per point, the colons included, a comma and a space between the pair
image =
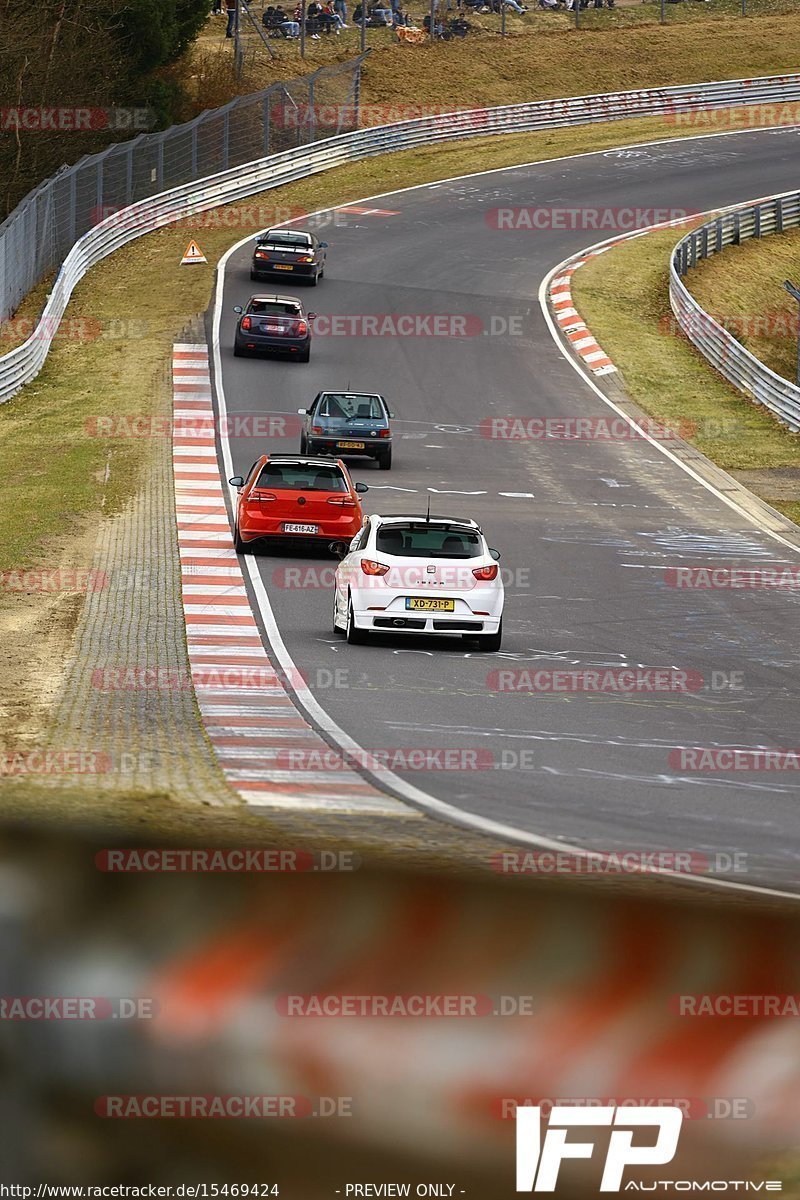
x: 369, y: 567
x: 486, y: 572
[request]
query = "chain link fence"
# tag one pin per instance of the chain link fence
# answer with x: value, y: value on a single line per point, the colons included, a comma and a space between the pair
x: 36, y: 237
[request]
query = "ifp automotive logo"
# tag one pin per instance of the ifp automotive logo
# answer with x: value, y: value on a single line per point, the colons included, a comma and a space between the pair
x: 538, y: 1161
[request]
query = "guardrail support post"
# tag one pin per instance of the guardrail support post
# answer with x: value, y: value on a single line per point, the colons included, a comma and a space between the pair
x: 265, y: 122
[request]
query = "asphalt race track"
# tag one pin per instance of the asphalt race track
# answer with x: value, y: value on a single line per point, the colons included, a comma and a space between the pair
x: 586, y: 535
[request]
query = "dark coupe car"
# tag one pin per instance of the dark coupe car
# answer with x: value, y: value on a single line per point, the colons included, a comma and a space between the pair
x: 273, y: 324
x: 289, y: 252
x: 345, y: 423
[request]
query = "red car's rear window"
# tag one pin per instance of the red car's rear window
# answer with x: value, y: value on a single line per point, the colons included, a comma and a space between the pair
x: 288, y: 477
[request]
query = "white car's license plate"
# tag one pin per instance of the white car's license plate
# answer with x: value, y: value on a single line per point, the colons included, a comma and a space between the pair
x: 288, y: 527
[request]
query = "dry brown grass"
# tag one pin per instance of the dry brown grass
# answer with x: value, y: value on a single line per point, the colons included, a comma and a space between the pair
x: 543, y: 56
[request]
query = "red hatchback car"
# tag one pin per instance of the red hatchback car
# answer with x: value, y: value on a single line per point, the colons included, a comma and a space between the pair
x: 294, y: 497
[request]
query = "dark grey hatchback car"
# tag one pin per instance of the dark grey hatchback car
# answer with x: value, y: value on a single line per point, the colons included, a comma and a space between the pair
x: 273, y: 324
x: 345, y: 423
x: 293, y: 253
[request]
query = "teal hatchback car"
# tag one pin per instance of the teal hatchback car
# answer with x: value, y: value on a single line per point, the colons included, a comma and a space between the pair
x: 345, y: 423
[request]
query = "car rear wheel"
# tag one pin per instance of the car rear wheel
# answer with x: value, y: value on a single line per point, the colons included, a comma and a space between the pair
x: 304, y: 355
x: 312, y: 280
x: 385, y: 460
x: 253, y: 275
x: 239, y: 546
x: 355, y: 636
x: 491, y: 642
x: 238, y: 352
x: 303, y: 444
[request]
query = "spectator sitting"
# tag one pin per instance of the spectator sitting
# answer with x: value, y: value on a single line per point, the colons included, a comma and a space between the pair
x: 459, y: 27
x: 330, y: 20
x: 314, y: 19
x: 438, y: 28
x: 358, y: 14
x: 289, y: 25
x: 551, y: 4
x: 380, y: 16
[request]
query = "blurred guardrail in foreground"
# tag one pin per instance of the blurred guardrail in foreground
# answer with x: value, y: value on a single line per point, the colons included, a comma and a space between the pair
x: 722, y: 349
x: 403, y: 1015
x: 35, y: 237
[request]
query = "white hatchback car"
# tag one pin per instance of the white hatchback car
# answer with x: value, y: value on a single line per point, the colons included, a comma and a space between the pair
x: 419, y: 574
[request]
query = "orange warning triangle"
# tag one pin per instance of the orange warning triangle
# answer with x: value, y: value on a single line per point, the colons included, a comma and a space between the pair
x: 193, y: 254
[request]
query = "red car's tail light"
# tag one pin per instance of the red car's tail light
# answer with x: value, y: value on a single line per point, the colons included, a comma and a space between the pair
x: 317, y: 429
x: 385, y: 433
x: 373, y: 568
x: 262, y: 496
x: 246, y: 322
x: 486, y: 572
x: 342, y: 501
x: 301, y: 328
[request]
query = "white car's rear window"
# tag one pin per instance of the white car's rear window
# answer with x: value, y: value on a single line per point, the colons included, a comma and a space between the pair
x: 428, y: 541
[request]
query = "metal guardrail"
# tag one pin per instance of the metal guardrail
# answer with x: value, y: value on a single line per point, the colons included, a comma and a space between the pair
x: 717, y: 344
x: 22, y: 364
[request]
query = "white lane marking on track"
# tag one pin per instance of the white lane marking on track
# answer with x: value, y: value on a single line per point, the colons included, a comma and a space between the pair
x: 305, y: 696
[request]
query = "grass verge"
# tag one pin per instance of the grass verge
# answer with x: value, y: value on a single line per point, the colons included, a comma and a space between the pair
x: 623, y: 296
x: 743, y: 289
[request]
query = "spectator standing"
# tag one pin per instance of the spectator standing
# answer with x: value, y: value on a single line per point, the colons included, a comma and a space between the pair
x: 230, y: 7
